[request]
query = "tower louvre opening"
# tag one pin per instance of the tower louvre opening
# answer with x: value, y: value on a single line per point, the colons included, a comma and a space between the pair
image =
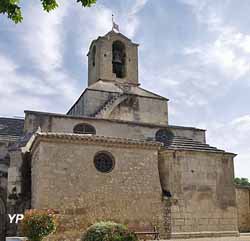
x: 119, y: 59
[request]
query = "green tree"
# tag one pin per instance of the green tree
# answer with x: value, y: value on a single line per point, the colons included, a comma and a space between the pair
x: 14, y: 12
x: 242, y: 181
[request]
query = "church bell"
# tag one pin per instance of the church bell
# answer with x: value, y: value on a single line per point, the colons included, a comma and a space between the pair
x: 117, y: 57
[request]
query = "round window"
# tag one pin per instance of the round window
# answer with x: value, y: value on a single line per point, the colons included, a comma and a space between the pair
x: 165, y: 136
x: 104, y: 162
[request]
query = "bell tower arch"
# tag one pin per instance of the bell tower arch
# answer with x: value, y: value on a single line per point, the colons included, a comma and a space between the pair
x: 113, y: 57
x: 119, y: 59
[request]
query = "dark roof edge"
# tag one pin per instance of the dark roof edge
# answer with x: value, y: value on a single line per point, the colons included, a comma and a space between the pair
x: 186, y: 127
x: 158, y: 97
x: 197, y: 150
x: 112, y: 120
x: 242, y: 187
x: 72, y: 106
x: 12, y: 118
x: 150, y: 92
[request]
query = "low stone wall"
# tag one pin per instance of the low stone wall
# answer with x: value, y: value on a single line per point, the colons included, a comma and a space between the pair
x: 243, y: 204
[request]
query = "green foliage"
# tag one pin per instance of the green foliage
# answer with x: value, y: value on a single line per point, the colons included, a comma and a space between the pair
x: 108, y: 231
x: 38, y: 224
x: 242, y: 182
x: 13, y: 10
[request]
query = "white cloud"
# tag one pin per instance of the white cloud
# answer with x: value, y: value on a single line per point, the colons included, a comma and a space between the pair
x: 42, y: 36
x: 129, y: 17
x: 138, y: 6
x: 24, y: 91
x: 226, y: 47
x: 234, y: 137
x: 95, y: 21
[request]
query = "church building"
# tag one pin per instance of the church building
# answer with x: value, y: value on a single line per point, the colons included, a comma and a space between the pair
x: 114, y: 156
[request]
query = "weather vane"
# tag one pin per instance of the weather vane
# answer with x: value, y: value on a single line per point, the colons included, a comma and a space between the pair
x: 115, y: 26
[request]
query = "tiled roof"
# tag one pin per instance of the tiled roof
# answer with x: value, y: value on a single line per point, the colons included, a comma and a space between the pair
x: 183, y: 143
x: 11, y: 127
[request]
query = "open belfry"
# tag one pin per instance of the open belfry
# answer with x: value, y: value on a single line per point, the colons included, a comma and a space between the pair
x: 114, y: 156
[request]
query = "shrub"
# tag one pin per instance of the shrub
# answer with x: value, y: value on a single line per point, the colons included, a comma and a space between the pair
x: 38, y: 224
x: 108, y: 231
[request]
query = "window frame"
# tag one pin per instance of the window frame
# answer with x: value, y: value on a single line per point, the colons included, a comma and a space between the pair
x: 84, y: 127
x: 107, y: 154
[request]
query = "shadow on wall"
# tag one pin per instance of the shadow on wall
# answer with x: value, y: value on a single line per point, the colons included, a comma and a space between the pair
x: 2, y: 217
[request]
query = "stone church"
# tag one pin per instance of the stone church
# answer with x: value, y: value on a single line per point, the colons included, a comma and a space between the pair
x: 114, y: 156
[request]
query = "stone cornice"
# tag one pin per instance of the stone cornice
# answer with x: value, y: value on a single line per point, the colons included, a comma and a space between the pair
x: 90, y: 140
x: 183, y: 150
x: 238, y: 186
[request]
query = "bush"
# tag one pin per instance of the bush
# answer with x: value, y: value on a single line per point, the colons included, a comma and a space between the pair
x: 108, y: 231
x: 38, y: 224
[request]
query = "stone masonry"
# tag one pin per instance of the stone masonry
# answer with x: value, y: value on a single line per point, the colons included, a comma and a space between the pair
x: 65, y: 179
x: 243, y: 204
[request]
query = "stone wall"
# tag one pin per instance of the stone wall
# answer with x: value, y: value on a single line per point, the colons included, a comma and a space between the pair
x: 135, y: 108
x: 64, y: 178
x: 65, y: 124
x: 90, y: 102
x: 243, y: 203
x: 203, y: 193
x: 142, y: 109
x: 103, y: 64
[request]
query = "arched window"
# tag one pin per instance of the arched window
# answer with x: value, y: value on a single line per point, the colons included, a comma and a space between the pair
x: 165, y: 136
x: 93, y: 55
x: 84, y: 129
x: 104, y: 161
x: 119, y: 59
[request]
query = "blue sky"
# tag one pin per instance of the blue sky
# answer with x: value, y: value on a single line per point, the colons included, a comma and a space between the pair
x: 195, y: 52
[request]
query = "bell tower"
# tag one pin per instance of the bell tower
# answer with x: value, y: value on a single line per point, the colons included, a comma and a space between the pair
x: 114, y: 58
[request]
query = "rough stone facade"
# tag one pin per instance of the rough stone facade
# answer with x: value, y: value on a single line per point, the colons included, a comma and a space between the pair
x: 203, y: 195
x: 64, y: 178
x: 243, y: 204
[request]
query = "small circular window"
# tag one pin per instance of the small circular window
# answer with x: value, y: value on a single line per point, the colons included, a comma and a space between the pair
x: 165, y: 136
x: 104, y: 161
